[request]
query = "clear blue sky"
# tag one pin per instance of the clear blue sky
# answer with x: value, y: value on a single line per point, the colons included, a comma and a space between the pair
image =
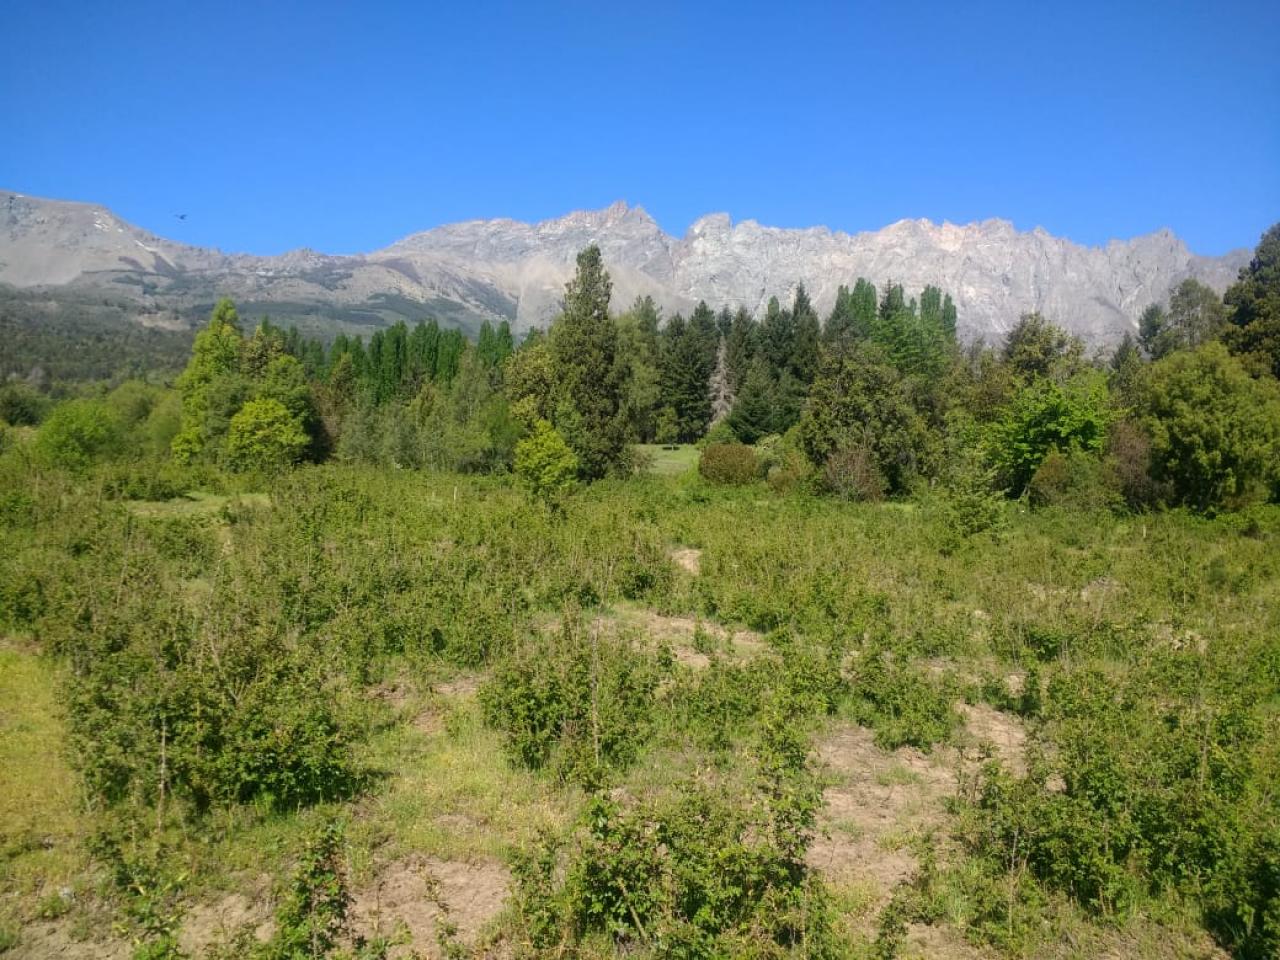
x: 343, y: 126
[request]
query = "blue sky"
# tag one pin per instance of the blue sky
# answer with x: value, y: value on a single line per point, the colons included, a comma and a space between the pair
x: 343, y: 126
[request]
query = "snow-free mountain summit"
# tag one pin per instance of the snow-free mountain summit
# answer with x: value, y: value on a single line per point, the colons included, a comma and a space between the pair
x: 467, y: 272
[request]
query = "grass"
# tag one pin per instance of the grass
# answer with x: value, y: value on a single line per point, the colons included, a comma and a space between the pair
x: 197, y: 503
x: 1053, y: 592
x: 41, y: 820
x: 669, y: 461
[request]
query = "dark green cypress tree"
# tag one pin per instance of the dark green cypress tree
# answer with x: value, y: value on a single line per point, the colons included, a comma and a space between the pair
x: 777, y: 336
x: 805, y: 334
x: 752, y: 416
x: 740, y: 347
x: 865, y: 306
x: 504, y: 342
x: 839, y: 326
x: 589, y: 409
x: 449, y: 355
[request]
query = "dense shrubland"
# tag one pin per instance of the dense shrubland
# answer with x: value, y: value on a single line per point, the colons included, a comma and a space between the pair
x: 226, y: 616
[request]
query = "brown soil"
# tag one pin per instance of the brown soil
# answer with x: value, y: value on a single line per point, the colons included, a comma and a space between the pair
x: 679, y: 634
x: 1001, y: 732
x: 400, y: 897
x: 212, y: 923
x: 880, y: 801
x: 688, y: 559
x: 55, y: 939
x: 939, y: 943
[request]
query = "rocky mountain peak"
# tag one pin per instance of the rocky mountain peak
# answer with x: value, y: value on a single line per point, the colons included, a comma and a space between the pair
x: 464, y: 273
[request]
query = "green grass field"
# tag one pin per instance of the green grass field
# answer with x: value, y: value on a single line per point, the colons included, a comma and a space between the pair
x: 669, y: 461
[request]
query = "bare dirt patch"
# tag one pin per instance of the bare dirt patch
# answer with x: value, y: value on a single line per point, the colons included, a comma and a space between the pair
x: 461, y: 688
x: 207, y: 924
x: 1002, y: 732
x: 692, y: 641
x: 688, y: 559
x: 880, y: 802
x: 401, y: 896
x: 939, y: 943
x: 56, y: 939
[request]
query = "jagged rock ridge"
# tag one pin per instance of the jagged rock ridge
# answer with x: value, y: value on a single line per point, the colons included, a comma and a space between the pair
x: 465, y: 273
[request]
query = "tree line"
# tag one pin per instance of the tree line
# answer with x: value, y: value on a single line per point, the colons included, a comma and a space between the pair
x: 877, y: 399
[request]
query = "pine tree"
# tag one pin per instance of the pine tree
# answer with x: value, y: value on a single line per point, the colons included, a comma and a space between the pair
x: 865, y: 307
x: 805, y: 334
x: 776, y: 336
x: 1254, y: 305
x: 686, y: 375
x: 584, y: 341
x: 740, y: 347
x: 753, y: 414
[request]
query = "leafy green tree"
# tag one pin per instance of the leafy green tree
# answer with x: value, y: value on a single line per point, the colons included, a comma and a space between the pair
x: 589, y: 409
x: 215, y: 356
x: 1126, y: 370
x: 449, y: 349
x: 667, y: 429
x: 1215, y: 431
x: 21, y: 405
x: 859, y: 400
x: 1195, y: 315
x: 78, y: 432
x: 423, y: 349
x: 1254, y: 305
x: 529, y: 379
x: 264, y: 435
x: 1044, y: 416
x: 1036, y: 348
x: 545, y: 464
x: 638, y: 350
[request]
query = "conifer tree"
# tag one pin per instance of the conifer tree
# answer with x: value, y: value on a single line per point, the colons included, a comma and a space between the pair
x: 584, y: 342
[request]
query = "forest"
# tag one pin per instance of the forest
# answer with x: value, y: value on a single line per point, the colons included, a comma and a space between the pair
x: 645, y: 636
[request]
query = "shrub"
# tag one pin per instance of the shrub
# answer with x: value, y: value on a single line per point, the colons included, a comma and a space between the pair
x: 1047, y: 416
x: 545, y: 464
x: 720, y: 432
x: 852, y: 473
x: 264, y: 435
x: 582, y: 701
x: 1215, y: 431
x: 903, y: 707
x: 79, y: 432
x: 1073, y: 480
x: 972, y: 504
x: 1127, y: 466
x: 729, y: 463
x: 21, y: 405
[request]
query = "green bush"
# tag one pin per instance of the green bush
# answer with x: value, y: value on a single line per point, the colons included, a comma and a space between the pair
x: 852, y: 473
x: 1215, y: 431
x: 265, y: 435
x: 545, y: 464
x: 900, y: 705
x: 720, y: 432
x: 79, y: 432
x: 729, y: 463
x: 1047, y: 416
x: 1073, y: 480
x: 577, y: 698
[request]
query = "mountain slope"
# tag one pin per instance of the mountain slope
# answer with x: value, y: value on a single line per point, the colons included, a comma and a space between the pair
x: 465, y: 273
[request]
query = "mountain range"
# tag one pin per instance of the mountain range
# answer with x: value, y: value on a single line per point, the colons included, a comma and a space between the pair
x: 468, y: 272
